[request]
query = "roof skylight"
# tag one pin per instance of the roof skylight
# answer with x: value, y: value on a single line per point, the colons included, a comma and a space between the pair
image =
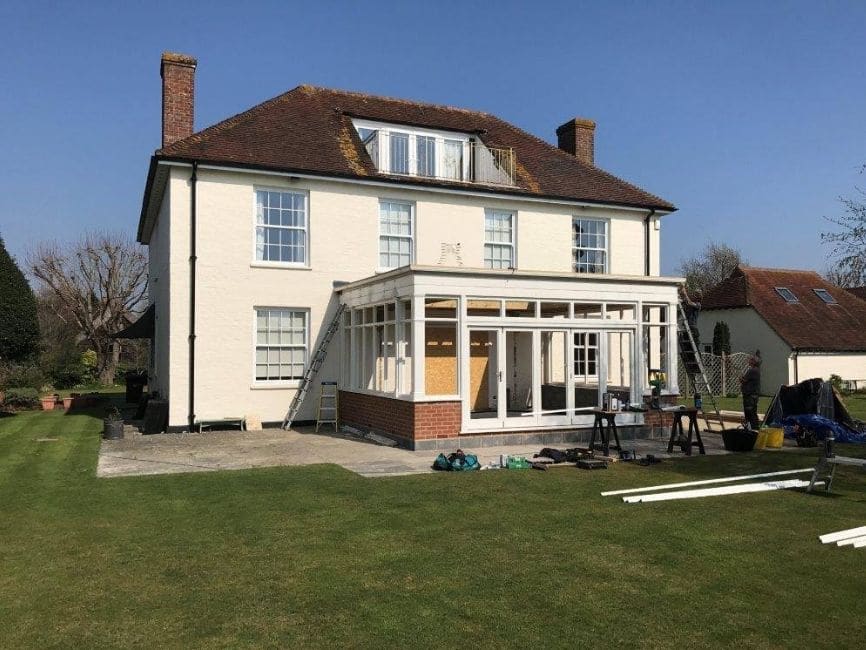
x: 825, y: 295
x: 786, y: 294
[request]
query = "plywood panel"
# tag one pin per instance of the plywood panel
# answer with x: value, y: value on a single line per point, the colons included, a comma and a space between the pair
x: 480, y: 349
x: 440, y: 367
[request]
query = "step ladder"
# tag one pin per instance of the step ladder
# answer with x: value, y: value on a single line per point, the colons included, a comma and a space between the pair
x: 694, y: 365
x: 328, y: 412
x: 313, y: 368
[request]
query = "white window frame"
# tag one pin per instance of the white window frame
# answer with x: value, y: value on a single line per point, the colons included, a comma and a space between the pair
x: 440, y: 137
x: 279, y: 383
x: 585, y: 376
x: 492, y: 245
x: 379, y: 233
x: 306, y: 229
x: 575, y: 248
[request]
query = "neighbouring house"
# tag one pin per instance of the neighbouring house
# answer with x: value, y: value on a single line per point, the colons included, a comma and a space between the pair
x: 803, y: 326
x: 860, y: 292
x: 492, y: 282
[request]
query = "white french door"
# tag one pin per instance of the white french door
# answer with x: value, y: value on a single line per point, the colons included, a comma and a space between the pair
x: 532, y: 377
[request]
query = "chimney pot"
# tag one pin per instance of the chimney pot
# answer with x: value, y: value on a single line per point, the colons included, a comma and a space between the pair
x: 577, y: 137
x: 178, y: 96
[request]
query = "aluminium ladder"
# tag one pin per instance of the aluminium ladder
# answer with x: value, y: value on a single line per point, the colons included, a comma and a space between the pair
x: 694, y: 365
x: 312, y: 369
x: 328, y: 413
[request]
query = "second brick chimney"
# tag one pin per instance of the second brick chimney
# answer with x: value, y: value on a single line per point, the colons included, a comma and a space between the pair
x: 178, y: 96
x: 577, y: 137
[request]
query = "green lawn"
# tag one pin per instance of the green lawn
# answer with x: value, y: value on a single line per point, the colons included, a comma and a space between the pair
x: 318, y: 556
x: 856, y: 404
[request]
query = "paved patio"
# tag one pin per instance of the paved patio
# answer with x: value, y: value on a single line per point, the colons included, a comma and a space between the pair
x: 174, y: 453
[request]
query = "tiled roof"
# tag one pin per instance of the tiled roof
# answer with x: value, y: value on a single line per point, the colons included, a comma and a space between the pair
x: 309, y: 130
x: 809, y: 324
x: 860, y: 292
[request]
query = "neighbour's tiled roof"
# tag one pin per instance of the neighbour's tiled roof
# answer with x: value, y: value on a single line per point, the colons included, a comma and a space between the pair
x: 809, y: 323
x: 860, y: 292
x: 309, y: 130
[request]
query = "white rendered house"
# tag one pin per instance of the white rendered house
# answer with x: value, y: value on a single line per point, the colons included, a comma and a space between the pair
x: 803, y: 326
x: 492, y: 282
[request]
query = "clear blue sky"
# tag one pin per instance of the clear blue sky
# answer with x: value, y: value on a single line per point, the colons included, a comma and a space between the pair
x: 750, y: 117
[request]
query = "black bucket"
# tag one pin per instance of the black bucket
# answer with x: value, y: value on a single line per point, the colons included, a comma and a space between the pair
x: 739, y: 439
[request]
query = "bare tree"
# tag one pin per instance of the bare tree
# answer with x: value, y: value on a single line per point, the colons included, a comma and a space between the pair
x: 849, y: 241
x: 713, y: 264
x: 99, y: 281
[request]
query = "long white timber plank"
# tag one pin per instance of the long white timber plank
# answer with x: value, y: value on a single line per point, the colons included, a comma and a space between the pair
x: 860, y: 544
x: 718, y: 491
x: 727, y: 479
x: 829, y: 538
x: 849, y: 541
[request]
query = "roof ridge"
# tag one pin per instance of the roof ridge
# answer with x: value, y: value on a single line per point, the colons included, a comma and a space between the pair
x: 779, y: 270
x: 389, y: 98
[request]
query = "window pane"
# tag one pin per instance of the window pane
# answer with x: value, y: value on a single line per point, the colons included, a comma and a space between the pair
x: 280, y: 352
x: 554, y: 310
x: 453, y: 160
x: 399, y: 153
x: 426, y: 153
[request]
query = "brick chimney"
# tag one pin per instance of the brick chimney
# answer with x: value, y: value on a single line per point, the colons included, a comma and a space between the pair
x: 178, y: 96
x: 577, y: 137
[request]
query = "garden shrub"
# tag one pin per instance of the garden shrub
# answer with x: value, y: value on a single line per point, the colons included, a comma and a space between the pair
x: 21, y: 398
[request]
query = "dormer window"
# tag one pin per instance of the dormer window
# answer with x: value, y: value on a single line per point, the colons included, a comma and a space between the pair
x: 786, y: 294
x: 446, y: 155
x: 825, y: 295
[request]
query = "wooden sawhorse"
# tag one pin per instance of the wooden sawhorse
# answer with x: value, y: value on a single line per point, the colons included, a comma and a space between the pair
x: 685, y: 441
x: 604, y: 425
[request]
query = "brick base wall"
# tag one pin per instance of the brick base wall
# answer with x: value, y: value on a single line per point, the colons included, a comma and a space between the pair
x: 399, y: 419
x: 428, y: 425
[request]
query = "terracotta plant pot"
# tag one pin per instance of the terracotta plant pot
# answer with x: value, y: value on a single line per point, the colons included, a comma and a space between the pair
x: 48, y: 403
x: 67, y: 403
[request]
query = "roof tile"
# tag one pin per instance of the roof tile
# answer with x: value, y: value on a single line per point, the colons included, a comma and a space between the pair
x: 810, y: 323
x: 305, y: 130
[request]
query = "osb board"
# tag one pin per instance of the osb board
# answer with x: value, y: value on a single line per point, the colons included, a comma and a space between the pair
x: 440, y: 368
x: 479, y: 353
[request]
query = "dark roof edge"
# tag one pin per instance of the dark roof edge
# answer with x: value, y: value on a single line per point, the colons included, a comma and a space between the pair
x: 396, y: 181
x: 145, y: 200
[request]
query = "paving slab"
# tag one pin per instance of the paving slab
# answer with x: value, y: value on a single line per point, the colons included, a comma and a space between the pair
x: 173, y: 453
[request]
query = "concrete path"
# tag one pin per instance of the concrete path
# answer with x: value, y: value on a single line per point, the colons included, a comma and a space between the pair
x: 223, y: 450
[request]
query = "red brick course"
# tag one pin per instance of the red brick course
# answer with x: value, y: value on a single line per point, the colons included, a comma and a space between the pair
x: 399, y: 418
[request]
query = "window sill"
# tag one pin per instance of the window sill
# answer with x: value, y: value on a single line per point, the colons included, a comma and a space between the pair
x: 280, y: 265
x: 276, y: 385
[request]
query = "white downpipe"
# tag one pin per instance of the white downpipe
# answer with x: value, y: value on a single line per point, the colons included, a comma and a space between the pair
x: 829, y: 538
x: 718, y: 491
x: 729, y: 479
x: 850, y: 541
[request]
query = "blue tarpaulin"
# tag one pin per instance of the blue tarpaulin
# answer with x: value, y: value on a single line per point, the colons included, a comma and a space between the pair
x: 821, y: 425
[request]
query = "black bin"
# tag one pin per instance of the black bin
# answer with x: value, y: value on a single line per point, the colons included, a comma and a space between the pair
x: 135, y: 383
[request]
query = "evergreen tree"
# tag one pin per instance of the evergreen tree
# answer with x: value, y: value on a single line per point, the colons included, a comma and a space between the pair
x: 721, y: 338
x: 19, y: 329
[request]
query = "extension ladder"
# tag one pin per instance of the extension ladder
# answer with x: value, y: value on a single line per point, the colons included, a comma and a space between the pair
x: 328, y: 405
x: 312, y: 369
x: 693, y: 363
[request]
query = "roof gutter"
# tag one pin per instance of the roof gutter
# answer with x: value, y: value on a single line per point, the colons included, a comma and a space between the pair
x: 385, y: 181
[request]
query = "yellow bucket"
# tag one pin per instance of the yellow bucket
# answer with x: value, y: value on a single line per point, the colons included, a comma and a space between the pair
x: 775, y: 437
x: 761, y: 440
